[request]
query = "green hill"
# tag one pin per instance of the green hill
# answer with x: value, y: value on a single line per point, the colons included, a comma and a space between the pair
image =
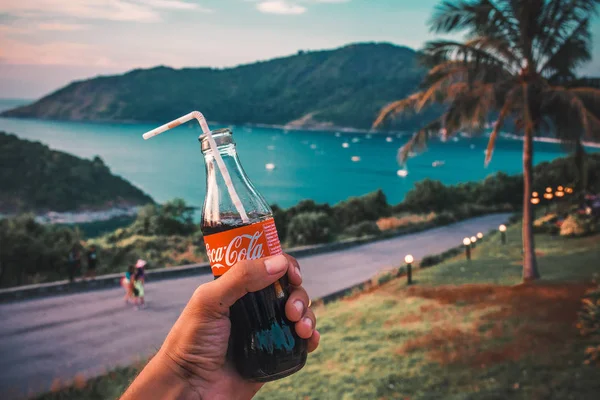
x: 35, y: 178
x: 344, y: 87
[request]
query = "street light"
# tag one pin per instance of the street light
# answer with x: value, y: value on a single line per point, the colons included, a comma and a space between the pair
x: 569, y: 190
x: 535, y: 200
x: 534, y: 194
x: 560, y: 188
x: 467, y: 243
x: 559, y: 194
x: 502, y: 229
x: 473, y: 240
x: 548, y: 189
x: 479, y: 235
x: 408, y: 259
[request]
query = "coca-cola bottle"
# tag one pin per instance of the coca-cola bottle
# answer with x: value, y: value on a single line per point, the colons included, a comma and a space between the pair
x: 263, y: 345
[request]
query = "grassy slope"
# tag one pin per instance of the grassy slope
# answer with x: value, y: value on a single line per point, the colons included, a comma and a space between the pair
x: 436, y: 340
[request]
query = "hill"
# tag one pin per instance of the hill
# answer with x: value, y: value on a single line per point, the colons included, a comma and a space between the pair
x: 344, y: 87
x: 37, y: 179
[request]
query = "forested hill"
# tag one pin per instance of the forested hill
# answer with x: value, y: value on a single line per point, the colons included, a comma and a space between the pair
x: 35, y: 178
x: 344, y: 87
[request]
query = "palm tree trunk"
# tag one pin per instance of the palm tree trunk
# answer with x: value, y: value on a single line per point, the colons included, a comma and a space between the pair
x: 530, y: 270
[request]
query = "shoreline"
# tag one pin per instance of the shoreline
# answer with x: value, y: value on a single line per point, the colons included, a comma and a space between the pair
x: 310, y: 128
x: 81, y: 217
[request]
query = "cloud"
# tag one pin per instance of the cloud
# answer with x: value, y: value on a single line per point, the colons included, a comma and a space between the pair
x: 290, y: 7
x: 53, y: 53
x: 280, y: 7
x: 60, y: 27
x: 115, y: 10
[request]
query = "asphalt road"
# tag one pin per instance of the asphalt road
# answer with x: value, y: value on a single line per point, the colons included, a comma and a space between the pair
x: 57, y: 338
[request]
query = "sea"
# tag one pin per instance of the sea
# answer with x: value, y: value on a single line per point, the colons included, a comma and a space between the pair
x: 325, y: 166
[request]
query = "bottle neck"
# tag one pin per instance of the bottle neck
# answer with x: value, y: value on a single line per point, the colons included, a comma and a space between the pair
x: 219, y: 211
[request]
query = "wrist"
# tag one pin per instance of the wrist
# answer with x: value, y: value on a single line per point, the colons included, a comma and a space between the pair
x: 162, y: 378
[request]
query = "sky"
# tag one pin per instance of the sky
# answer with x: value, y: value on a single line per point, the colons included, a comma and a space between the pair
x: 44, y: 44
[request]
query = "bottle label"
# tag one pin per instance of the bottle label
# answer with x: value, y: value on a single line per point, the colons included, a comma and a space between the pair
x: 249, y: 242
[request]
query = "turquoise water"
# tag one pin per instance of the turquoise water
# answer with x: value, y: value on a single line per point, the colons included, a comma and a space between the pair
x: 309, y: 165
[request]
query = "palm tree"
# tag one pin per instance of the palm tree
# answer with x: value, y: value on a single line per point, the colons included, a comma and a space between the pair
x: 517, y: 63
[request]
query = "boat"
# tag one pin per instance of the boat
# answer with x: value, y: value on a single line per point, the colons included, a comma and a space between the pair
x: 438, y: 163
x: 402, y: 173
x: 270, y: 166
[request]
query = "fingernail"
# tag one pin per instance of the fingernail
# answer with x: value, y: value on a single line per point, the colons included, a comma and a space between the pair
x: 298, y: 305
x: 298, y: 272
x: 307, y: 321
x: 276, y: 265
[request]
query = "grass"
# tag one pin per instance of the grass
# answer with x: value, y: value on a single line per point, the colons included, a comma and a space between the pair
x: 466, y: 330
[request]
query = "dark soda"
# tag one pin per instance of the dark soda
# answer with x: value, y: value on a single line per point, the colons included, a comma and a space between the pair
x: 263, y: 344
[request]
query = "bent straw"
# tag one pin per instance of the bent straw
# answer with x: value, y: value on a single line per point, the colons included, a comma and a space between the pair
x: 202, y: 121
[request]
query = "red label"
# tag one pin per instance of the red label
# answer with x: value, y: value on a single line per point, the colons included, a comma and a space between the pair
x: 248, y: 242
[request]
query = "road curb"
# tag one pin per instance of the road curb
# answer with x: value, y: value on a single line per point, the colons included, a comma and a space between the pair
x: 113, y: 280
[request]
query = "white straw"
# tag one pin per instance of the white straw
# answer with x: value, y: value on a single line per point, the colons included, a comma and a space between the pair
x: 202, y: 121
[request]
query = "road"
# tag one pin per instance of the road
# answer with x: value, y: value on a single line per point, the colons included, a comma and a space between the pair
x: 87, y: 333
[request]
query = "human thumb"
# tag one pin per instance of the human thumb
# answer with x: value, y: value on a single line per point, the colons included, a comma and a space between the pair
x: 244, y: 277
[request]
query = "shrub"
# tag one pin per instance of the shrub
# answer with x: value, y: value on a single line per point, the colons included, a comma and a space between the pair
x: 429, y: 261
x: 445, y: 218
x: 589, y: 324
x: 32, y: 252
x: 365, y: 228
x: 574, y: 225
x: 370, y: 207
x: 309, y: 228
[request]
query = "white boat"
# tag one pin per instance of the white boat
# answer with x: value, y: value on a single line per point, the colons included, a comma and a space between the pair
x: 389, y: 139
x: 355, y: 158
x: 355, y: 140
x: 270, y: 166
x: 313, y: 146
x: 402, y: 173
x: 345, y: 145
x: 438, y: 163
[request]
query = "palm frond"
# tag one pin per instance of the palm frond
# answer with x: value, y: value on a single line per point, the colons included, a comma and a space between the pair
x: 506, y: 110
x: 406, y: 105
x: 570, y: 53
x: 418, y: 141
x: 558, y: 19
x: 573, y: 112
x: 478, y: 18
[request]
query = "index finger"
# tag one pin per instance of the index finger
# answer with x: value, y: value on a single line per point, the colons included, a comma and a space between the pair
x: 294, y: 274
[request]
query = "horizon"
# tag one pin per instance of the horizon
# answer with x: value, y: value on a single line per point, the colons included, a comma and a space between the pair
x: 47, y: 44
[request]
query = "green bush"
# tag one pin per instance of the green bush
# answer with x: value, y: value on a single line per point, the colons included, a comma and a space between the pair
x: 174, y: 217
x: 445, y: 218
x: 370, y: 207
x: 309, y: 228
x: 589, y: 324
x: 365, y: 228
x: 429, y: 261
x: 31, y: 252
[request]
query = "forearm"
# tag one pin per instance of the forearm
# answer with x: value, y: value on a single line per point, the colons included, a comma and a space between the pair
x: 159, y: 381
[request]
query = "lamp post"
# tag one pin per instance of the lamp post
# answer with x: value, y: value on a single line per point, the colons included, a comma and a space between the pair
x: 479, y: 235
x: 408, y: 259
x: 502, y: 229
x: 473, y: 241
x: 467, y: 243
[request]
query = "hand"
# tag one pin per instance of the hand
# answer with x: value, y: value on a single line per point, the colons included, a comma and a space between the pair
x: 191, y: 363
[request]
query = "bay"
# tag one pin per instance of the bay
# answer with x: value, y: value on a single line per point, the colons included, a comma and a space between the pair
x: 308, y: 164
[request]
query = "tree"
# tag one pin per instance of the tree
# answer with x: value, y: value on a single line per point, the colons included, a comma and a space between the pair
x: 517, y: 64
